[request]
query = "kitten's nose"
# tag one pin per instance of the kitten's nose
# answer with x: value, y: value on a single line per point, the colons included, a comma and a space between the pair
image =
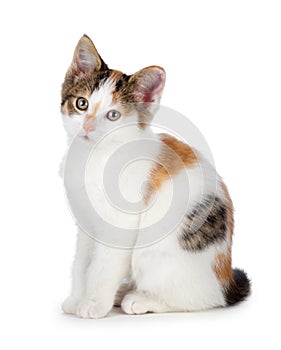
x: 88, y: 126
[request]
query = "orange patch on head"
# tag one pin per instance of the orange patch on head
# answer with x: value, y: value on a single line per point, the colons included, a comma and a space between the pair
x: 93, y: 114
x: 115, y: 75
x: 175, y: 155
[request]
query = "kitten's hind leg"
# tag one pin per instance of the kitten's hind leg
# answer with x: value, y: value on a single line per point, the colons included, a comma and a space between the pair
x: 136, y: 303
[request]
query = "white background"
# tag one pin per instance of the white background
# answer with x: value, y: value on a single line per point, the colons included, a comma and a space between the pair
x: 223, y: 64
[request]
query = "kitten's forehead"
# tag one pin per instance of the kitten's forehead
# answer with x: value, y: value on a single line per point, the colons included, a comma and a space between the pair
x: 105, y: 94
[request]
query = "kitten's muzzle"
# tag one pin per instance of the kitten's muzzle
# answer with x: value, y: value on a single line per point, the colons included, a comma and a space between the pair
x: 89, y: 126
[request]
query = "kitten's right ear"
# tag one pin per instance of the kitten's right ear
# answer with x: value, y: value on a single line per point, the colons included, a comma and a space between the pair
x: 86, y: 58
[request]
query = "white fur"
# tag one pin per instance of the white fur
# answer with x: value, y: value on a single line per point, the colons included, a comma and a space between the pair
x: 167, y: 278
x: 184, y: 281
x: 178, y: 279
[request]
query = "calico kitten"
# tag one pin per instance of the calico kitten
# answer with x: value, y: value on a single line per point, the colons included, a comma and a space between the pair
x: 189, y: 269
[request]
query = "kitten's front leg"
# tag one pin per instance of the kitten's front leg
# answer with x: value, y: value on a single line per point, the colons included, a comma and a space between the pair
x: 84, y: 249
x: 106, y: 272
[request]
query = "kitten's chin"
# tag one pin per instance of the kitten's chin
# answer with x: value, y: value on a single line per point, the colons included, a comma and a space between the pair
x: 87, y: 137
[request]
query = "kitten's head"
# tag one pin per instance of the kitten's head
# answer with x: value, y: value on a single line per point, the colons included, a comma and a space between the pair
x: 96, y: 99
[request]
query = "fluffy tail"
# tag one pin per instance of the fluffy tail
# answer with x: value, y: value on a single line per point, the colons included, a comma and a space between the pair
x: 239, y: 289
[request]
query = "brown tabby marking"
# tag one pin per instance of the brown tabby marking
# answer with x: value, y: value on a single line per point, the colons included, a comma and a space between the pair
x: 174, y: 156
x: 82, y: 85
x: 204, y: 225
x: 75, y: 86
x: 129, y: 92
x: 119, y: 86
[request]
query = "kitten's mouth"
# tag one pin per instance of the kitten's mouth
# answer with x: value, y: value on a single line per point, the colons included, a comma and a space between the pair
x: 85, y: 138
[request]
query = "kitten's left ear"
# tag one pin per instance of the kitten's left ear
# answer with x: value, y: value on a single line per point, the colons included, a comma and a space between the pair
x: 86, y: 58
x: 148, y: 84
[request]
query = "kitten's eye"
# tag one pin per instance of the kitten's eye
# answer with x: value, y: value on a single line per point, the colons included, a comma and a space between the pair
x: 82, y: 103
x: 113, y: 115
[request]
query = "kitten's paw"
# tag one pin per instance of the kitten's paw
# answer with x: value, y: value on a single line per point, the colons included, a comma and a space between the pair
x: 133, y: 304
x: 122, y: 291
x: 91, y: 309
x: 69, y: 306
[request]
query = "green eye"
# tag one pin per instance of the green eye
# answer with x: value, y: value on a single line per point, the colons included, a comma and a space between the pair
x: 82, y: 103
x: 113, y: 115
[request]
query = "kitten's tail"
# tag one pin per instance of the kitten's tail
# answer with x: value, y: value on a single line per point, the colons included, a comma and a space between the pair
x: 239, y: 289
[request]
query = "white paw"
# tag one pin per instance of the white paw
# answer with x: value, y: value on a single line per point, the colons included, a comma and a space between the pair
x: 69, y: 306
x: 91, y: 309
x: 122, y: 291
x: 134, y: 305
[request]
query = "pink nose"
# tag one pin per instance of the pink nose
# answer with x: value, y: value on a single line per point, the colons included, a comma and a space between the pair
x: 88, y: 126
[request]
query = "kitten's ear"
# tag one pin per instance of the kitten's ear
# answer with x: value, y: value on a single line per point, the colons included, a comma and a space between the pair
x: 148, y: 84
x: 86, y: 58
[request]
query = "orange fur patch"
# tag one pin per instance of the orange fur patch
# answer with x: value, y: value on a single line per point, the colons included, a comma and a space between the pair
x: 115, y: 75
x: 222, y: 266
x: 174, y: 156
x: 94, y: 112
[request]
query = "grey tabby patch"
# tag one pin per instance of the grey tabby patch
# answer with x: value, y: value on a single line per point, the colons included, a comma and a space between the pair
x: 205, y: 225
